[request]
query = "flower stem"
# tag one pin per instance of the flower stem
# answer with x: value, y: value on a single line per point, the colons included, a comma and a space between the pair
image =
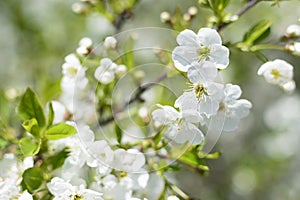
x: 266, y: 46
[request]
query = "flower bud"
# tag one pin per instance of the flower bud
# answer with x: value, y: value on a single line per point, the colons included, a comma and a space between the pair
x: 165, y: 17
x: 293, y: 48
x: 186, y: 17
x: 192, y: 10
x: 80, y: 8
x: 293, y: 31
x: 110, y: 42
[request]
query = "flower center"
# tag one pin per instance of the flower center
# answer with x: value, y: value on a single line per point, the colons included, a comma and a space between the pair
x: 73, y: 71
x: 203, y: 53
x: 275, y: 73
x: 76, y: 197
x: 200, y: 90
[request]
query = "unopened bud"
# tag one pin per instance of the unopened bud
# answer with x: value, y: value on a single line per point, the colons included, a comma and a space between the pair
x: 165, y: 17
x: 192, y: 10
x: 110, y: 42
x: 293, y: 31
x: 80, y: 8
x: 186, y: 17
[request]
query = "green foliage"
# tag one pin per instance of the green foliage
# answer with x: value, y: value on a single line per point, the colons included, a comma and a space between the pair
x: 59, y: 131
x: 57, y: 160
x: 32, y: 179
x: 30, y: 108
x: 50, y: 114
x: 256, y: 34
x: 32, y: 127
x: 29, y: 146
x: 119, y: 133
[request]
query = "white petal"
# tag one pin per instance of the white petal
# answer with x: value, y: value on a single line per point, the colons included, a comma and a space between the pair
x: 190, y: 133
x: 202, y: 72
x: 187, y: 101
x: 183, y: 56
x: 232, y: 92
x: 187, y: 38
x: 192, y: 116
x: 208, y: 36
x: 166, y: 114
x: 219, y: 55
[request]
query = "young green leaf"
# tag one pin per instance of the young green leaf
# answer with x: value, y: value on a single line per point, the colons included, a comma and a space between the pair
x: 32, y: 127
x: 60, y: 131
x: 32, y: 179
x: 29, y: 146
x: 50, y: 114
x: 256, y: 34
x: 118, y: 131
x: 30, y: 108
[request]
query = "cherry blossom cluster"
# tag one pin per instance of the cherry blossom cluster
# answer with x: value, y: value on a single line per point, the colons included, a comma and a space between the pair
x: 208, y: 103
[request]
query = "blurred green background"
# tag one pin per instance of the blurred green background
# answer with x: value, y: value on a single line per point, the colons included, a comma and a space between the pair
x: 259, y: 161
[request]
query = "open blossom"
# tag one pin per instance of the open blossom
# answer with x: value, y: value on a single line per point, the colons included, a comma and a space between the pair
x: 63, y: 190
x: 205, y: 91
x: 72, y: 66
x: 206, y: 45
x: 11, y: 175
x: 231, y: 110
x: 278, y: 72
x: 181, y: 126
x: 130, y: 160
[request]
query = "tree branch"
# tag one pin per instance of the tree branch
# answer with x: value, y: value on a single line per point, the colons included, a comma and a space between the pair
x: 239, y: 13
x: 136, y: 98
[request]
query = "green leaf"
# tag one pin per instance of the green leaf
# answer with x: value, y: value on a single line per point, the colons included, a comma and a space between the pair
x: 57, y: 160
x: 118, y: 131
x: 256, y: 34
x: 32, y: 179
x: 32, y: 127
x: 50, y: 114
x: 29, y: 146
x: 30, y: 108
x: 60, y: 131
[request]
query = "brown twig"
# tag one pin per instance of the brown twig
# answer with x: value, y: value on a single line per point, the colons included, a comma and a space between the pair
x: 239, y: 13
x: 136, y: 98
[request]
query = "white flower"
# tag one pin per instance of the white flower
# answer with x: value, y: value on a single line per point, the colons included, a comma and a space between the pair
x: 63, y: 190
x: 294, y: 48
x: 130, y: 160
x: 105, y: 72
x: 205, y: 45
x: 293, y: 30
x: 231, y: 109
x: 207, y: 93
x: 71, y: 66
x: 277, y: 72
x: 11, y: 171
x: 181, y: 126
x: 25, y: 196
x: 110, y: 42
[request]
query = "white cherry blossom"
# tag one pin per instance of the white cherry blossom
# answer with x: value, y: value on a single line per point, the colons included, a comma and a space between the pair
x: 63, y: 190
x: 71, y: 66
x: 278, y: 72
x: 206, y: 45
x: 231, y: 109
x: 181, y: 126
